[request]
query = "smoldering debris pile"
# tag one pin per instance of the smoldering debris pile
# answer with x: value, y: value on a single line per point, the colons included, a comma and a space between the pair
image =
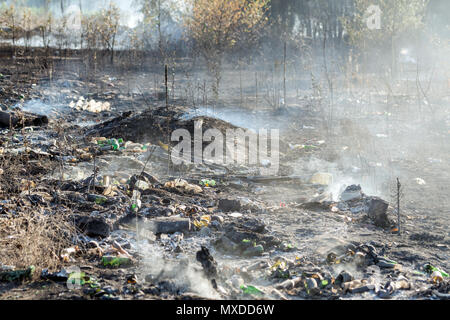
x: 153, y: 125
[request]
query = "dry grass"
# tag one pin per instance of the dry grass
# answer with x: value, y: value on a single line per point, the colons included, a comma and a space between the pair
x: 30, y: 234
x: 33, y: 238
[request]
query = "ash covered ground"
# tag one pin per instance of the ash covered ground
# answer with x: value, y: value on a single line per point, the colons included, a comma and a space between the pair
x: 88, y: 199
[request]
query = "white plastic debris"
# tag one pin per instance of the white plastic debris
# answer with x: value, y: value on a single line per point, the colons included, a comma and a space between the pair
x: 235, y: 215
x: 420, y: 181
x: 355, y: 169
x: 180, y: 183
x: 265, y: 163
x: 91, y: 106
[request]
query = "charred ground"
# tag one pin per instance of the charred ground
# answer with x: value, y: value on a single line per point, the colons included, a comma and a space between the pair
x: 282, y: 237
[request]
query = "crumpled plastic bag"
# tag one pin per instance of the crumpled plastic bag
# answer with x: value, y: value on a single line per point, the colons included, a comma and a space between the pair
x: 183, y: 184
x: 204, y: 221
x: 91, y: 106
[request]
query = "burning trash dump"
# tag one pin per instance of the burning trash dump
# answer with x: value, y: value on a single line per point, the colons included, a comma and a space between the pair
x: 135, y: 165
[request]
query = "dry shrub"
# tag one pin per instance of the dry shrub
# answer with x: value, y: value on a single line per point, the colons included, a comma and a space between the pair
x: 34, y: 238
x: 29, y: 235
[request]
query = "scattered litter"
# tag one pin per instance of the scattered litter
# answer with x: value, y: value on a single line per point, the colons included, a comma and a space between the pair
x: 91, y: 106
x: 235, y: 215
x: 17, y: 275
x: 420, y: 181
x: 430, y: 269
x: 183, y: 184
x: 204, y: 221
x: 322, y: 179
x: 67, y: 253
x: 114, y: 144
x: 207, y: 183
x: 163, y: 145
x: 116, y: 261
x: 251, y: 290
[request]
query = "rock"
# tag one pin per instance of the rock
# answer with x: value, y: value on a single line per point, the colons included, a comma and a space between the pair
x: 228, y: 205
x: 217, y: 218
x: 216, y: 225
x: 358, y: 209
x: 226, y: 244
x: 249, y: 232
x: 168, y: 285
x: 237, y: 281
x: 352, y: 192
x: 342, y: 206
x: 344, y: 277
x: 363, y: 289
x: 205, y: 232
x: 378, y: 212
x: 168, y: 225
x: 254, y: 225
x: 254, y: 251
x: 386, y: 264
x: 402, y: 284
x: 158, y: 211
x: 93, y: 227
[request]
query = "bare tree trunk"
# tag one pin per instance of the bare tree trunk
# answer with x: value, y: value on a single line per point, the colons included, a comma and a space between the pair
x: 256, y: 90
x: 284, y: 72
x: 240, y: 80
x: 398, y: 205
x: 160, y: 44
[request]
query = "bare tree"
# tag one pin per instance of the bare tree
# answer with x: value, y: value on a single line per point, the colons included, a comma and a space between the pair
x: 108, y: 25
x: 9, y: 17
x: 217, y: 26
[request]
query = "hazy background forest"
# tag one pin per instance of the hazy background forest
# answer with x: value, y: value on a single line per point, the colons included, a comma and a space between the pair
x: 312, y: 36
